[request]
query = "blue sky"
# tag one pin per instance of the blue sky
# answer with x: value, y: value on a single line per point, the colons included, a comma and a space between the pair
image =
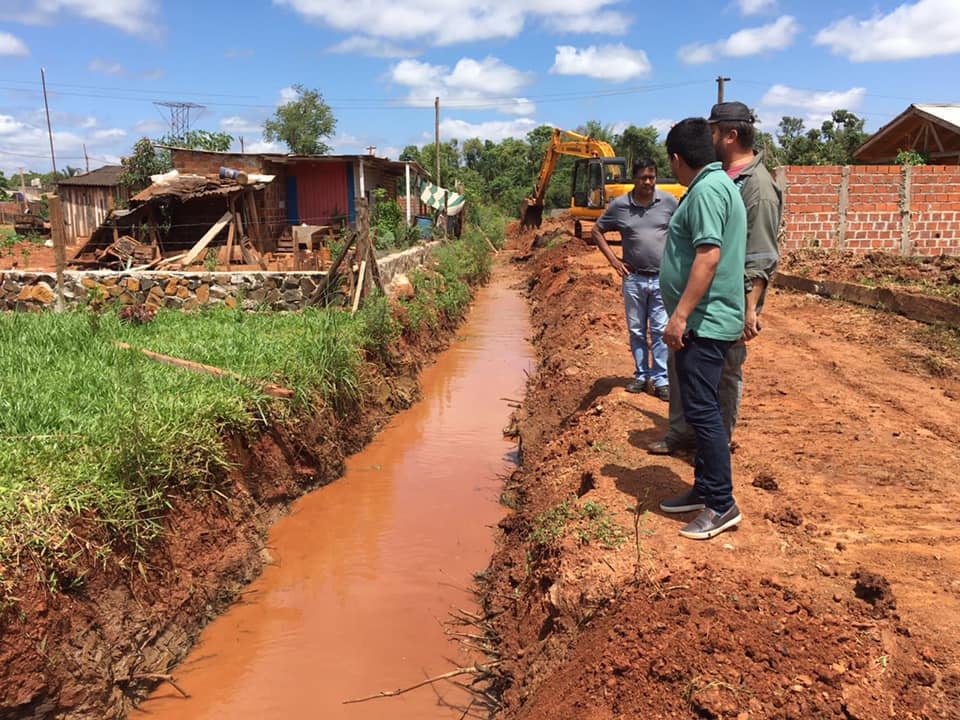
x: 500, y: 68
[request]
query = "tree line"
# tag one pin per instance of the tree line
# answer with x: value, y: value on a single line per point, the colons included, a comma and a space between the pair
x: 501, y: 174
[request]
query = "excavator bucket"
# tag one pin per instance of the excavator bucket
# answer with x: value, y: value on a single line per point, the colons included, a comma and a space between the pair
x: 531, y: 213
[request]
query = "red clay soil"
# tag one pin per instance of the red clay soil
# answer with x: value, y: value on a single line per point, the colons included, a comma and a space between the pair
x: 92, y: 652
x: 26, y: 255
x: 839, y: 595
x: 938, y: 274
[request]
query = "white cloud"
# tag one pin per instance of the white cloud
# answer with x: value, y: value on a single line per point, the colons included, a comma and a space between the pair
x: 287, y: 94
x: 614, y: 63
x: 12, y: 45
x: 662, y: 125
x: 604, y: 23
x: 922, y: 29
x: 784, y: 96
x: 236, y: 125
x: 478, y: 84
x: 494, y: 131
x: 149, y: 128
x: 440, y: 23
x: 262, y: 146
x: 778, y: 35
x: 755, y: 7
x: 108, y: 135
x: 812, y: 107
x: 107, y: 67
x: 23, y: 144
x: 137, y: 17
x: 372, y: 47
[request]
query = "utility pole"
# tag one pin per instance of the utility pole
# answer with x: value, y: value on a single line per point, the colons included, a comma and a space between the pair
x: 720, y: 81
x: 86, y: 160
x: 436, y: 127
x: 53, y: 158
x: 241, y: 145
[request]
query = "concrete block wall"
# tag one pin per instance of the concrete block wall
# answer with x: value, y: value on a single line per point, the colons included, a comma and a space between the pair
x: 891, y: 208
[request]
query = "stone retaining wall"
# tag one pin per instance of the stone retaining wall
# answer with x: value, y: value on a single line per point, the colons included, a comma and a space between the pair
x: 35, y: 291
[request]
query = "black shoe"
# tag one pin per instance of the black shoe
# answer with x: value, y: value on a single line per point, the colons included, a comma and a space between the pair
x: 662, y: 393
x: 636, y: 386
x: 664, y: 447
x: 691, y: 500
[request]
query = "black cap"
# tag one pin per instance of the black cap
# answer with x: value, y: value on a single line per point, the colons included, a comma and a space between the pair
x: 731, y: 112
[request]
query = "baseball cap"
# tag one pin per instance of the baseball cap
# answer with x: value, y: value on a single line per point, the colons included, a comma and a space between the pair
x: 731, y: 112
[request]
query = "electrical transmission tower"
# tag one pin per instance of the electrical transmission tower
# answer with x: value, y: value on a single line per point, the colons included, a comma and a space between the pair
x: 179, y: 116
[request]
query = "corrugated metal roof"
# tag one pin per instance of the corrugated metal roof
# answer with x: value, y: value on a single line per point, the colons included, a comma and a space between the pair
x: 106, y: 176
x: 947, y: 113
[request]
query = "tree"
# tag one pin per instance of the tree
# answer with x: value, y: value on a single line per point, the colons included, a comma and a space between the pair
x: 634, y: 143
x: 302, y: 123
x: 833, y: 144
x: 199, y: 140
x: 145, y: 161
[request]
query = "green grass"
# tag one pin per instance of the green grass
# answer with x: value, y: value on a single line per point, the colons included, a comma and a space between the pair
x: 589, y: 522
x: 88, y: 429
x: 94, y: 435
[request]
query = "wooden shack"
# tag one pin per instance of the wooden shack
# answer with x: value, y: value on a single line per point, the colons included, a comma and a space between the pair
x: 88, y: 198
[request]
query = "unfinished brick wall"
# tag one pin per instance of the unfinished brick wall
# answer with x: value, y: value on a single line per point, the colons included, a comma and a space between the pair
x: 906, y: 210
x: 202, y: 163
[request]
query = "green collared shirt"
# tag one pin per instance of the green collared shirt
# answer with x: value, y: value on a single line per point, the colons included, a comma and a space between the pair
x: 711, y: 213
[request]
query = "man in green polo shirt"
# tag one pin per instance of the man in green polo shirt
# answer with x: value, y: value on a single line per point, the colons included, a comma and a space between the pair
x: 701, y: 279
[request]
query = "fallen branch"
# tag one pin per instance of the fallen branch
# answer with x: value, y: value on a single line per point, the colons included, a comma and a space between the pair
x: 474, y: 669
x: 267, y: 388
x: 156, y: 676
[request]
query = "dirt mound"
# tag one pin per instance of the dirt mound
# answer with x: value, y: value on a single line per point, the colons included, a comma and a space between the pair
x: 938, y: 275
x: 602, y: 611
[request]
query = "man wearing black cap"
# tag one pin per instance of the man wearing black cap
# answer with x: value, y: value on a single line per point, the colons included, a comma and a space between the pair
x: 732, y: 124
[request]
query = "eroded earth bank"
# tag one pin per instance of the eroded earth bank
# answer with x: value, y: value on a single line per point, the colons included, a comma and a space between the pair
x: 838, y: 596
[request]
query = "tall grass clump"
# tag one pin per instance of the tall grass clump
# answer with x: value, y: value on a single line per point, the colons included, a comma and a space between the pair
x: 90, y: 430
x: 381, y: 330
x: 443, y: 290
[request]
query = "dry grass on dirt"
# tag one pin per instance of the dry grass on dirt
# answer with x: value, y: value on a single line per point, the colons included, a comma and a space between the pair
x: 839, y: 595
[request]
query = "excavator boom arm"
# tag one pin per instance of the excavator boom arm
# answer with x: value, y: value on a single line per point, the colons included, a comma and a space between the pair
x: 563, y: 142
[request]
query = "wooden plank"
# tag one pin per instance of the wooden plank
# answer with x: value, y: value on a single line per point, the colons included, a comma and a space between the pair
x: 356, y: 295
x: 160, y: 262
x: 207, y: 237
x: 321, y: 289
x: 58, y: 233
x: 265, y: 388
x: 230, y: 233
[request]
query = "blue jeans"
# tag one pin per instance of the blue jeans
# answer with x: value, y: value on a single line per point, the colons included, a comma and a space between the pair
x: 642, y: 303
x: 699, y: 365
x: 730, y: 392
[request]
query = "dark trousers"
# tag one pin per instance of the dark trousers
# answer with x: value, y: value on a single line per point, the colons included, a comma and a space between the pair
x: 699, y: 364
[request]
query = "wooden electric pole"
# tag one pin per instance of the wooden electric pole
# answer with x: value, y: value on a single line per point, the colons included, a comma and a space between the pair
x: 436, y: 134
x: 720, y: 81
x: 53, y: 158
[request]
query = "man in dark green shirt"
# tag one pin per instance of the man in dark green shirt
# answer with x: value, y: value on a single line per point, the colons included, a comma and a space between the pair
x: 701, y: 278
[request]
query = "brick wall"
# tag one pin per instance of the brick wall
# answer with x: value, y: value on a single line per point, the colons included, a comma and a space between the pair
x: 907, y: 210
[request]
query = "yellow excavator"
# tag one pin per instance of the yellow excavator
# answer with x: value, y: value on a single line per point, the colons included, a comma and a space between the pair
x: 599, y: 176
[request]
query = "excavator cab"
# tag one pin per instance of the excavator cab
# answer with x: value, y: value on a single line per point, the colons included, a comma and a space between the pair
x: 596, y: 181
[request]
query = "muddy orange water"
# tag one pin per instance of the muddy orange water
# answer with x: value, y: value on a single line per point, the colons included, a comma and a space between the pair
x: 367, y: 568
